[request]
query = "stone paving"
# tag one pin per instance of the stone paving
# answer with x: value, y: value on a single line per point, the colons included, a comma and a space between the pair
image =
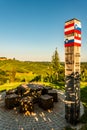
x: 53, y: 119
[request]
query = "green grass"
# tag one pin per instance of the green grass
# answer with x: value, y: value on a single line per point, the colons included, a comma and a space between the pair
x: 84, y: 101
x: 8, y: 86
x: 27, y: 76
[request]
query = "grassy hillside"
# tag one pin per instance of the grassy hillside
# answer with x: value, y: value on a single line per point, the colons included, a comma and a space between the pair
x: 27, y: 70
x: 22, y: 71
x: 20, y: 66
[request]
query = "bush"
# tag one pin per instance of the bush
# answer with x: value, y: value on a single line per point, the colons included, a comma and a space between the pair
x: 37, y: 78
x: 3, y: 80
x: 83, y: 119
x: 23, y: 80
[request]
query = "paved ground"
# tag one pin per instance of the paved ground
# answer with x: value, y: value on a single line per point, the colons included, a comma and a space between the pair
x: 39, y: 120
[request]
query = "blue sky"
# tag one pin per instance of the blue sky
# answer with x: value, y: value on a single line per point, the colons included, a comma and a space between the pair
x: 32, y: 29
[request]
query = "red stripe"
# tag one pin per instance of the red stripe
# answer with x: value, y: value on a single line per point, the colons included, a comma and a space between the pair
x: 77, y: 31
x: 72, y: 44
x: 69, y: 25
x: 77, y: 38
x: 72, y: 31
x: 69, y: 32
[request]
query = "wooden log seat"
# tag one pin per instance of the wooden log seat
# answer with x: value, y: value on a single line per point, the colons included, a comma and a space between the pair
x: 23, y: 90
x: 26, y: 104
x: 12, y: 101
x: 11, y: 91
x: 46, y: 102
x: 54, y: 94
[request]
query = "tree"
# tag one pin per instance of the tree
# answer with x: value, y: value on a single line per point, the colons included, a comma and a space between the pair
x: 55, y: 63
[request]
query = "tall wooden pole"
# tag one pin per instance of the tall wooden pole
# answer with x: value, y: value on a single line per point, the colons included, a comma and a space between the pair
x: 72, y: 43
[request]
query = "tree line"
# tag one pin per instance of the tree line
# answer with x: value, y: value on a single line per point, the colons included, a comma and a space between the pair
x: 53, y: 71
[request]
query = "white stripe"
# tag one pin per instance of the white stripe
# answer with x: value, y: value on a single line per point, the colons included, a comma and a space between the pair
x: 78, y: 25
x: 77, y: 41
x: 69, y: 38
x: 72, y: 37
x: 68, y: 29
x: 78, y: 35
x: 69, y: 22
x: 77, y: 22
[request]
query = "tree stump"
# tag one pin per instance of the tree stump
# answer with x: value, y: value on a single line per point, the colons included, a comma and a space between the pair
x: 46, y: 102
x: 54, y: 94
x: 11, y: 101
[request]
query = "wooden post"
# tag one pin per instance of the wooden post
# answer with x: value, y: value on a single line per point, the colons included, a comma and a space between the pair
x: 72, y: 43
